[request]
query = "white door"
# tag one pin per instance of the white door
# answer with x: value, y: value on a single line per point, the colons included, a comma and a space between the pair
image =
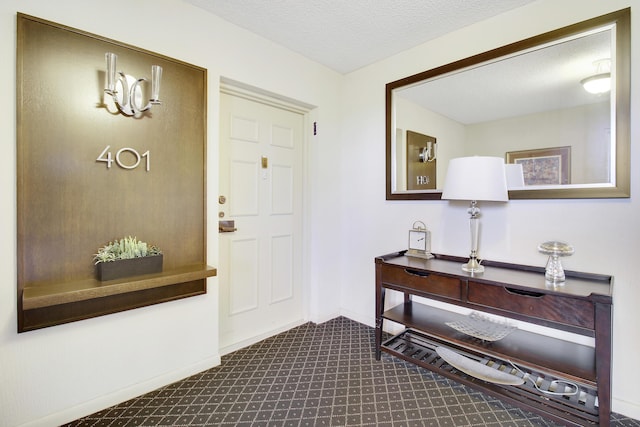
x: 260, y: 272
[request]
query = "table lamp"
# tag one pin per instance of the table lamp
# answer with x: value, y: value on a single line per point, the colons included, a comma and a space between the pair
x: 476, y: 178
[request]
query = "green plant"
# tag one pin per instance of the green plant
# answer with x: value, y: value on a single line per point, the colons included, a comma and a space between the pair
x: 125, y: 248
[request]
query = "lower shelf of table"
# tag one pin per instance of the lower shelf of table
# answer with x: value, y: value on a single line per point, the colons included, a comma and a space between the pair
x: 577, y: 410
x: 561, y: 357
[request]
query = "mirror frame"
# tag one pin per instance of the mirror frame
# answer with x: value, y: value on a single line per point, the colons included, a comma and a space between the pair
x: 622, y: 111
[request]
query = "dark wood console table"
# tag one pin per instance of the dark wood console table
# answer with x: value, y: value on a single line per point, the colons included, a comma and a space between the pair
x: 583, y: 305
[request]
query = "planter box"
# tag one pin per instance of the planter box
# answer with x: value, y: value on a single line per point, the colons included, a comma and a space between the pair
x: 129, y: 267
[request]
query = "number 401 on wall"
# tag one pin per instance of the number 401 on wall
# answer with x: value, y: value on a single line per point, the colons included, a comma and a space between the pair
x: 108, y: 158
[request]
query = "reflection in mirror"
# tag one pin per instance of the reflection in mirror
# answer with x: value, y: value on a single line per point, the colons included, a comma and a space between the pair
x: 525, y: 103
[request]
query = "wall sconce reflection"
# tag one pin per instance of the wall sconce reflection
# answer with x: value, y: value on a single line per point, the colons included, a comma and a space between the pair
x: 126, y: 90
x: 428, y: 153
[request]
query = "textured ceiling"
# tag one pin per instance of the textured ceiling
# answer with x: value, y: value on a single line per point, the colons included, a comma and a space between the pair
x: 541, y: 80
x: 346, y: 35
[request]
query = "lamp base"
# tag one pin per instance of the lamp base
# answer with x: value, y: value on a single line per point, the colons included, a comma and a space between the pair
x: 473, y: 266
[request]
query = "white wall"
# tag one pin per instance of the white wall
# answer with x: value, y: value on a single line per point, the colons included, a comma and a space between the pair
x: 585, y: 128
x: 605, y: 233
x: 57, y: 374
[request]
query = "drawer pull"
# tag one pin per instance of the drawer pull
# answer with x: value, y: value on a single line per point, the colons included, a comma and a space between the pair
x: 417, y: 272
x: 524, y: 293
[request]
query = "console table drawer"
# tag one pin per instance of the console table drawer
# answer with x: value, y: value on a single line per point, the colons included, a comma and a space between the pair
x: 422, y: 282
x: 555, y: 308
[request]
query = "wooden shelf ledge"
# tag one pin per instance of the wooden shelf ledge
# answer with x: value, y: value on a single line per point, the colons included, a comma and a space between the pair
x: 51, y: 294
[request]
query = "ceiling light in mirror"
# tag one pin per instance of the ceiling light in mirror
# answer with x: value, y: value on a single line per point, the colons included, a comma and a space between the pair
x: 601, y: 81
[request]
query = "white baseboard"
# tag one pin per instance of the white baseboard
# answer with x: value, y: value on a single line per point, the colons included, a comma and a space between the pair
x: 389, y: 326
x: 365, y: 320
x: 122, y: 395
x: 628, y: 409
x: 250, y: 341
x: 325, y: 318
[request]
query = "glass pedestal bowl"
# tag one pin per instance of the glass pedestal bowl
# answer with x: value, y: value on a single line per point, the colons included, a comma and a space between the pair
x: 554, y: 273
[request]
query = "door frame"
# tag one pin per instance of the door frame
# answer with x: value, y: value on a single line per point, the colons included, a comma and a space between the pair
x: 242, y: 90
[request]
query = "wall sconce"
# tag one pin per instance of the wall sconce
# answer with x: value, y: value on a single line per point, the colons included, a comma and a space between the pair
x: 601, y: 81
x: 428, y: 153
x: 125, y: 89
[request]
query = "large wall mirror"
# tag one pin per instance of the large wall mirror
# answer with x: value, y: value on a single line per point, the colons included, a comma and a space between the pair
x: 525, y: 102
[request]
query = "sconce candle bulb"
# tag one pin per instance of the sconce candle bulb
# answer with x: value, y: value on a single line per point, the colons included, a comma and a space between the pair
x: 156, y: 76
x: 111, y: 72
x: 125, y: 89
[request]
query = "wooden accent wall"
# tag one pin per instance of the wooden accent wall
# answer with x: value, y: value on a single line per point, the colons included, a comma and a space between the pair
x: 70, y: 203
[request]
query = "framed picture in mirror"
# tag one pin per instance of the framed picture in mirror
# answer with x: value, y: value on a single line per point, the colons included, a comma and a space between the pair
x: 544, y: 166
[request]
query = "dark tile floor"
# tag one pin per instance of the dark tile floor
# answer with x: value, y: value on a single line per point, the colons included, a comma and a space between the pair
x: 317, y: 375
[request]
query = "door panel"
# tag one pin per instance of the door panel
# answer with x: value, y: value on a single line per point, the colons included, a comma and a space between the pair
x: 261, y: 178
x: 282, y: 136
x: 244, y: 129
x: 244, y: 182
x: 244, y: 263
x: 282, y: 190
x: 281, y: 269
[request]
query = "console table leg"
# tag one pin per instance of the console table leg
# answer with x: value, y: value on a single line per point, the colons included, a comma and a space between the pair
x: 603, y: 361
x: 380, y: 293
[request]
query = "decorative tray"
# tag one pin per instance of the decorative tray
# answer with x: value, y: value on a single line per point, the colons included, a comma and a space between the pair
x: 478, y: 369
x: 483, y: 327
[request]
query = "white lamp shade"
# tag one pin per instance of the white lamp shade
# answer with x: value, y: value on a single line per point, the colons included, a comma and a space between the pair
x: 515, y: 175
x: 476, y: 178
